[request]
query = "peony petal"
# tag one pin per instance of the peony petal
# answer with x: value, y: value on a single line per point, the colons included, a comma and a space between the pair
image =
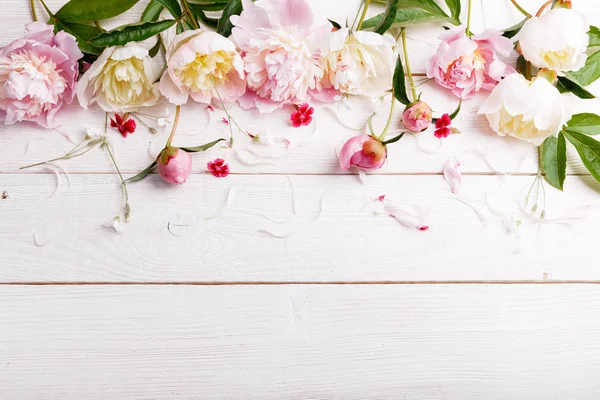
x: 452, y: 175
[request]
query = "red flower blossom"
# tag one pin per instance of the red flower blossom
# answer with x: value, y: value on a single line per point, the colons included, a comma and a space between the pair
x: 125, y: 127
x: 302, y: 115
x: 218, y: 168
x: 442, y: 129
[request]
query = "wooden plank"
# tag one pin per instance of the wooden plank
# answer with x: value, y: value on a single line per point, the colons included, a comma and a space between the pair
x: 347, y: 342
x: 334, y: 235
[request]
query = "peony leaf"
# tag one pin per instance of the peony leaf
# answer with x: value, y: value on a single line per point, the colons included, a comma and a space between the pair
x: 82, y: 32
x: 203, y: 147
x: 589, y: 151
x: 172, y: 6
x: 454, y: 113
x: 154, y: 50
x: 522, y: 66
x: 387, y: 19
x: 335, y: 24
x: 233, y: 7
x: 131, y: 33
x: 568, y: 83
x: 152, y: 11
x: 594, y: 35
x: 142, y: 174
x: 399, y: 83
x: 554, y: 160
x: 590, y: 71
x: 454, y: 6
x: 586, y: 123
x: 93, y: 10
x: 411, y: 16
x: 513, y: 30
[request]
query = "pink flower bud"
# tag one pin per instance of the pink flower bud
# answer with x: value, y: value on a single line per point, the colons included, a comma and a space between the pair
x: 417, y: 116
x: 174, y: 165
x: 363, y: 152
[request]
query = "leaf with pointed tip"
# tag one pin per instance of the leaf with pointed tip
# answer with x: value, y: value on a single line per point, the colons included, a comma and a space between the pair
x: 589, y: 151
x: 594, y: 35
x: 513, y: 30
x: 203, y: 147
x: 131, y: 33
x: 172, y: 6
x: 152, y: 11
x: 93, y: 10
x: 399, y: 83
x: 82, y: 33
x: 142, y: 174
x: 388, y: 17
x: 453, y: 115
x: 554, y: 160
x: 586, y: 123
x: 233, y: 7
x: 454, y: 6
x: 569, y: 84
x: 590, y: 71
x: 335, y: 24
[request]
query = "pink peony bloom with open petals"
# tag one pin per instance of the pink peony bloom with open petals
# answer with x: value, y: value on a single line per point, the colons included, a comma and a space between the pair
x: 363, y: 152
x: 281, y: 47
x: 37, y: 75
x: 467, y: 65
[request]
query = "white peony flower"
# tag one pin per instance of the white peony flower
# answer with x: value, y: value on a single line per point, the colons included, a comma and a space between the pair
x: 121, y: 79
x: 557, y: 40
x: 360, y: 63
x: 526, y: 110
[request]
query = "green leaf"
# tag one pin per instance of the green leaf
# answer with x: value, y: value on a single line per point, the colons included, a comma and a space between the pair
x: 388, y: 17
x: 83, y: 33
x: 394, y: 139
x: 407, y: 17
x: 131, y: 33
x: 154, y: 50
x: 554, y: 160
x: 454, y: 113
x: 93, y: 10
x: 589, y: 151
x: 586, y: 123
x: 513, y: 30
x: 454, y: 6
x: 399, y: 83
x: 152, y: 11
x: 590, y: 71
x: 203, y: 147
x: 594, y: 35
x: 521, y: 65
x: 142, y: 174
x: 335, y: 24
x: 233, y: 7
x: 212, y: 22
x: 568, y: 84
x: 172, y: 6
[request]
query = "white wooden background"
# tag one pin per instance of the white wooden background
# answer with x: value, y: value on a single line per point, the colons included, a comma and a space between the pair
x: 343, y: 305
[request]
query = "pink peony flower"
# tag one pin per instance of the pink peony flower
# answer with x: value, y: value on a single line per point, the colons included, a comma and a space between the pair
x: 281, y: 48
x: 467, y: 65
x: 363, y: 152
x: 302, y: 115
x: 417, y: 116
x: 37, y: 75
x: 442, y: 129
x: 218, y: 168
x: 174, y: 165
x: 125, y: 127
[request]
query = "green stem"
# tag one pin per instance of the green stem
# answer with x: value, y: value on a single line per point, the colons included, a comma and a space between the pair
x: 100, y: 28
x: 175, y: 122
x: 47, y: 9
x: 125, y: 194
x: 229, y: 117
x: 192, y: 18
x: 469, y: 18
x: 408, y: 70
x: 540, y: 160
x: 521, y: 9
x: 390, y: 117
x: 33, y: 13
x: 44, y: 162
x: 363, y: 15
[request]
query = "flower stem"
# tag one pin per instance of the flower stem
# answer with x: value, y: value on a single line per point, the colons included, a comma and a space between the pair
x: 189, y: 12
x: 44, y: 162
x: 174, y: 129
x: 124, y: 193
x: 363, y: 15
x: 100, y: 28
x: 407, y: 62
x: 229, y: 118
x: 46, y: 8
x: 521, y: 9
x: 468, y: 30
x: 543, y: 7
x: 390, y: 117
x: 33, y: 13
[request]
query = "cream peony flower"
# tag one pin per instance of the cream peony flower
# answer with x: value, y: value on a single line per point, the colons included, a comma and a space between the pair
x: 557, y: 40
x: 121, y: 79
x: 197, y: 62
x: 526, y: 110
x: 360, y: 63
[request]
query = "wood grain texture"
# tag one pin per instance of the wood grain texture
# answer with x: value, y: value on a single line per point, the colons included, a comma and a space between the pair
x: 300, y: 342
x: 334, y: 235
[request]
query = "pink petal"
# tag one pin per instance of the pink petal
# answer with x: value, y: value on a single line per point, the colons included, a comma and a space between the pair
x: 452, y: 175
x: 291, y: 12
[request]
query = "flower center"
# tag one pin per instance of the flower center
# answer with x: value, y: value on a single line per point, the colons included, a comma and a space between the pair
x: 510, y: 124
x: 206, y: 69
x: 556, y: 60
x: 124, y: 82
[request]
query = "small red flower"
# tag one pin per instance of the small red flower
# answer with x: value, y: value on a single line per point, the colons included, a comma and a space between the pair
x: 218, y: 168
x: 302, y: 115
x: 125, y: 127
x: 442, y: 129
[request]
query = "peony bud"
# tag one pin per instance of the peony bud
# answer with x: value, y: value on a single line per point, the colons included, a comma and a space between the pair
x: 363, y: 152
x: 417, y: 116
x: 174, y: 165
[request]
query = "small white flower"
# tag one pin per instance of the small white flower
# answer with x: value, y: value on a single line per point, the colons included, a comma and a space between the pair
x: 92, y: 132
x: 557, y: 40
x: 115, y: 224
x: 161, y: 122
x: 526, y: 110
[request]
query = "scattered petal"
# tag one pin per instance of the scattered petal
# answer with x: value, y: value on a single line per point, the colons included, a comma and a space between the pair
x: 38, y: 242
x: 294, y: 204
x: 480, y: 214
x: 409, y: 215
x: 226, y: 205
x: 452, y: 175
x: 115, y: 224
x: 57, y: 179
x: 278, y: 235
x: 424, y: 149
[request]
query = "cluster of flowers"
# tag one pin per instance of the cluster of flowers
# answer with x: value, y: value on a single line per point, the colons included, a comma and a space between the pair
x: 278, y: 55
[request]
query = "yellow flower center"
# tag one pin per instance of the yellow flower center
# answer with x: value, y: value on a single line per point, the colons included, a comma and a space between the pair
x: 206, y: 69
x: 124, y: 82
x: 557, y: 60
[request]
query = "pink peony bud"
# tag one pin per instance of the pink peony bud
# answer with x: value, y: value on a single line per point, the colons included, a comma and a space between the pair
x: 174, y: 165
x: 417, y: 116
x: 363, y: 152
